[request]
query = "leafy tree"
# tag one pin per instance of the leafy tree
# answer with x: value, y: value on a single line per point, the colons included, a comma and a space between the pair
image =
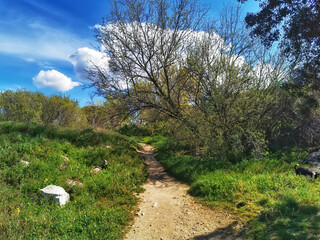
x: 62, y: 111
x: 28, y: 106
x: 97, y: 116
x: 22, y: 105
x: 296, y: 25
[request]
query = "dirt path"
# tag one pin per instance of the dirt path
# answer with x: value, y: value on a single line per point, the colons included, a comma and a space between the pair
x: 166, y: 211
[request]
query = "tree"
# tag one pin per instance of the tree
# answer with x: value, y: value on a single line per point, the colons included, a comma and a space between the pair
x: 62, y: 111
x: 214, y: 80
x: 28, y: 106
x: 296, y: 25
x: 145, y: 40
x: 21, y: 106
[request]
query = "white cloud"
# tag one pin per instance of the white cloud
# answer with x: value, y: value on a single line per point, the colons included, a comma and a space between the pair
x: 54, y: 80
x: 38, y: 40
x: 89, y: 63
x: 85, y: 59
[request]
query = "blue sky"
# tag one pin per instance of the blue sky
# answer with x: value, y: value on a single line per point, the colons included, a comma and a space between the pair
x: 37, y: 38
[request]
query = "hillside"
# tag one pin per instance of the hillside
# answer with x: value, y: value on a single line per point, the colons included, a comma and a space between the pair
x: 100, y: 203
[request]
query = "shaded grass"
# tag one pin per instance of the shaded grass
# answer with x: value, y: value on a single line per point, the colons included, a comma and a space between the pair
x: 265, y: 193
x: 98, y: 210
x: 288, y: 219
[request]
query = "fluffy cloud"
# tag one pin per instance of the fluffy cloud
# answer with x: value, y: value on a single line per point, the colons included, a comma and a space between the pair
x: 86, y: 59
x: 54, y: 80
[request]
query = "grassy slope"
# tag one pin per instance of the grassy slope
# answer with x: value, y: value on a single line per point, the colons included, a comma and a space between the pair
x: 99, y: 210
x: 266, y: 194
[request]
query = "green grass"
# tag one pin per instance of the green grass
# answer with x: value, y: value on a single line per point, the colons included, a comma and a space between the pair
x: 99, y: 210
x: 265, y: 194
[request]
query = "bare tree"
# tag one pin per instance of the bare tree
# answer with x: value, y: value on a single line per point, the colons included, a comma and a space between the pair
x: 147, y: 42
x: 165, y: 56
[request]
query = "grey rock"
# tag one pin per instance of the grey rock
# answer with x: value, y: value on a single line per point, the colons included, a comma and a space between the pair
x: 313, y: 159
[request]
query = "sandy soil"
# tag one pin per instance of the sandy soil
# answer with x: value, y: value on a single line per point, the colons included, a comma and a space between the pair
x: 166, y: 211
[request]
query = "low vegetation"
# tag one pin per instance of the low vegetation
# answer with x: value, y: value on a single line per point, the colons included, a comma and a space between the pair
x: 239, y: 113
x: 264, y: 193
x: 100, y: 206
x: 28, y: 106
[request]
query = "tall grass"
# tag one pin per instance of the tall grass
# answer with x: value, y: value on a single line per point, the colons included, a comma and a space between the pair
x: 100, y: 209
x: 265, y: 193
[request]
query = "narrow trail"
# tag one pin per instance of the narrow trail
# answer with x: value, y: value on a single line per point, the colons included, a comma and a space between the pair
x: 167, y: 212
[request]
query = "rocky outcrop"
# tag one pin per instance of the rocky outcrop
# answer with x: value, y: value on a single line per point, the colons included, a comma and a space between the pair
x: 313, y: 160
x: 57, y: 193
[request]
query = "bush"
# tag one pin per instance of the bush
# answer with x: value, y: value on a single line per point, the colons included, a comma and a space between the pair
x: 28, y: 106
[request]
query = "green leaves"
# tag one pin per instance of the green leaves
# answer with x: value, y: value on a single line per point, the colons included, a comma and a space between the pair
x: 28, y: 106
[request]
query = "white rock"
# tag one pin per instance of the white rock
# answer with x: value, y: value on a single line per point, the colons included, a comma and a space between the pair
x: 140, y: 213
x: 105, y: 163
x: 65, y: 163
x: 72, y: 182
x: 57, y: 193
x: 96, y: 170
x: 65, y: 159
x: 25, y: 162
x: 155, y: 205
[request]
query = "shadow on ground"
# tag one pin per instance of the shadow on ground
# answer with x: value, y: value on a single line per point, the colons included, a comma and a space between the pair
x: 287, y: 220
x: 227, y: 233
